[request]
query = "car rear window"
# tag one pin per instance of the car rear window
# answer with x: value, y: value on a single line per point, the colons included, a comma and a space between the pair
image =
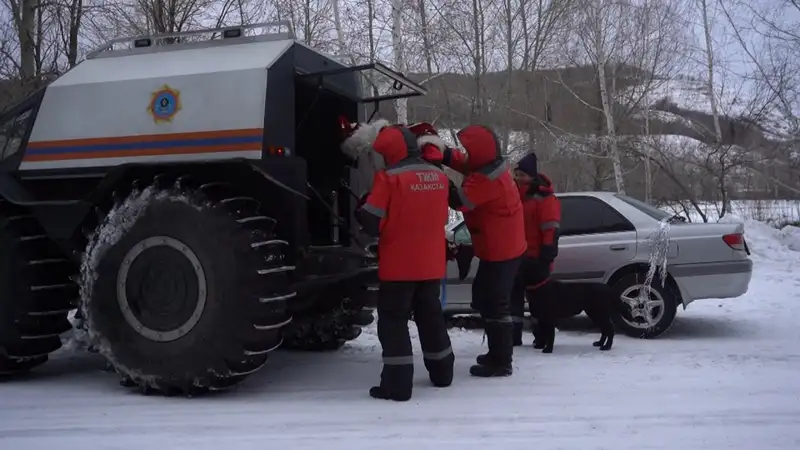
x: 650, y: 210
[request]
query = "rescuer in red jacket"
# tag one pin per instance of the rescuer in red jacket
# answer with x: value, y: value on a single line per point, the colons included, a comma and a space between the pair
x: 407, y: 207
x: 492, y: 210
x: 542, y: 211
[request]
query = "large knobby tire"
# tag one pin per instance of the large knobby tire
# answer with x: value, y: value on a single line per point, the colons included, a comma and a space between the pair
x: 327, y: 331
x: 325, y: 320
x: 36, y: 292
x: 192, y: 296
x: 653, y: 314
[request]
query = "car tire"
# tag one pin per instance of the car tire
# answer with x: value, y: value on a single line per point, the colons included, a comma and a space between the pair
x: 661, y: 307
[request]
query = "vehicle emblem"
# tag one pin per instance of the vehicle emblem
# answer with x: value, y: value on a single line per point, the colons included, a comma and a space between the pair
x: 164, y: 104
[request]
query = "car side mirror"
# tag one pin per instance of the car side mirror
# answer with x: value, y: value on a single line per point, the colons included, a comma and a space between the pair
x: 464, y: 260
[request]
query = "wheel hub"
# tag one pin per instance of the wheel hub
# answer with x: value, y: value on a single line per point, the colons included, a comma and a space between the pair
x: 646, y: 304
x: 161, y: 288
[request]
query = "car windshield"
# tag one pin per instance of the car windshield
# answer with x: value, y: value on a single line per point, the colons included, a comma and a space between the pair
x: 650, y: 210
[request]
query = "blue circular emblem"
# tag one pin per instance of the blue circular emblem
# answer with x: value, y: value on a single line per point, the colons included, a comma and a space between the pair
x: 164, y: 105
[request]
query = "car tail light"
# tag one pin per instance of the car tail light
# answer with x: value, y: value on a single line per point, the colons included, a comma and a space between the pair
x: 277, y: 151
x: 735, y: 241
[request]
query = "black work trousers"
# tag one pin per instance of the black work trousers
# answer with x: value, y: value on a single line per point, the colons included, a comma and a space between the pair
x: 491, y: 298
x: 396, y: 301
x: 528, y: 284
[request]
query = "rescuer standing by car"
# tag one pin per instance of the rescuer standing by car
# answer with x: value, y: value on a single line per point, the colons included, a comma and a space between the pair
x: 408, y: 207
x: 492, y: 210
x: 542, y: 211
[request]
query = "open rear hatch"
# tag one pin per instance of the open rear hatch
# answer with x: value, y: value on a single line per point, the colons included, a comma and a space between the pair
x: 378, y: 83
x: 323, y: 99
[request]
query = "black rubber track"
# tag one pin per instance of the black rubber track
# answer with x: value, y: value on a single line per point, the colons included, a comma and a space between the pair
x: 36, y: 292
x: 248, y: 283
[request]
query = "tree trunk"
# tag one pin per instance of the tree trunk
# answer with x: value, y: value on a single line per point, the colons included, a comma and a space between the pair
x: 648, y: 175
x: 337, y: 23
x: 397, y: 49
x: 371, y: 36
x: 477, y: 60
x: 712, y: 96
x: 611, y: 135
x: 26, y: 24
x: 509, y: 32
x: 75, y: 16
x: 426, y: 44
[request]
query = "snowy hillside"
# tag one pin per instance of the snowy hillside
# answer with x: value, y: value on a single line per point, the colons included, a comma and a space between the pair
x: 777, y: 212
x: 667, y: 98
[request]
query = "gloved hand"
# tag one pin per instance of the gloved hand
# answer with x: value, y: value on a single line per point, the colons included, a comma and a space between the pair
x: 452, y: 250
x: 447, y: 155
x: 430, y: 144
x: 464, y: 258
x: 432, y: 154
x: 422, y: 129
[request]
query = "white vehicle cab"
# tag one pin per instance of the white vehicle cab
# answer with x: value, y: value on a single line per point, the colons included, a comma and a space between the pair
x: 604, y: 238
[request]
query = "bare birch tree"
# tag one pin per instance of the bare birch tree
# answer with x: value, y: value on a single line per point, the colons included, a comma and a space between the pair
x: 337, y: 24
x: 599, y: 36
x: 69, y: 18
x: 709, y: 54
x: 776, y: 66
x: 23, y: 16
x: 718, y: 152
x: 401, y: 105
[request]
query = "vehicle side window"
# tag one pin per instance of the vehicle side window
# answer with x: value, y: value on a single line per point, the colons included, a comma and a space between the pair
x: 588, y: 215
x: 462, y: 236
x: 12, y: 131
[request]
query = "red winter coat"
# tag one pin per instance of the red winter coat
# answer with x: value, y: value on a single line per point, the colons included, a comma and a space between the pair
x: 542, y: 211
x: 488, y: 196
x: 410, y: 199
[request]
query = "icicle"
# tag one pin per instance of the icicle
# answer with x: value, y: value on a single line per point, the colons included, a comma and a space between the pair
x: 658, y: 242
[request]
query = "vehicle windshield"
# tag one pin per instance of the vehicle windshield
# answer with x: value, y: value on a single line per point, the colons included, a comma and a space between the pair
x: 650, y: 210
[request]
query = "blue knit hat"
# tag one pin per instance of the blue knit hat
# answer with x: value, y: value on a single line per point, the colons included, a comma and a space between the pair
x: 529, y: 164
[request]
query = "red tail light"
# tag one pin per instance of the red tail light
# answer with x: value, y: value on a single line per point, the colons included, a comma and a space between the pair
x: 734, y: 241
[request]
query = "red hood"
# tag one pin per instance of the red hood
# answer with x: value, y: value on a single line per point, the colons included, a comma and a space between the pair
x: 542, y: 186
x: 481, y: 144
x: 393, y: 143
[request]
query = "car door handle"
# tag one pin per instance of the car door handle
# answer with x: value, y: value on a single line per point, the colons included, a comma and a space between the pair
x: 618, y: 247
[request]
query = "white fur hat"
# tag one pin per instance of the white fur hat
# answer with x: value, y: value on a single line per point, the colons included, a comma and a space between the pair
x: 432, y: 139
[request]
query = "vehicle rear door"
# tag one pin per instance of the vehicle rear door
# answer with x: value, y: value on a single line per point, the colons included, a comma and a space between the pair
x: 459, y: 292
x: 595, y: 239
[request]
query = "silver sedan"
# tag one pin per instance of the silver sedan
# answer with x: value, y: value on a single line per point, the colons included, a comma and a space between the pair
x: 606, y: 237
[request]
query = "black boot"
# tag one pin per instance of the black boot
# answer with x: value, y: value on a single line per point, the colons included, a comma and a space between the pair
x: 440, y: 371
x: 488, y: 367
x: 396, y: 383
x: 517, y: 334
x: 490, y: 371
x: 496, y: 363
x: 383, y: 393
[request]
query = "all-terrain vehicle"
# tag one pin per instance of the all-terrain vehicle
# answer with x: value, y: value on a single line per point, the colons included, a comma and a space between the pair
x: 186, y: 194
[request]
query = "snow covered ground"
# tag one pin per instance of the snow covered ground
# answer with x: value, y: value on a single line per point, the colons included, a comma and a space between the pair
x: 725, y: 377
